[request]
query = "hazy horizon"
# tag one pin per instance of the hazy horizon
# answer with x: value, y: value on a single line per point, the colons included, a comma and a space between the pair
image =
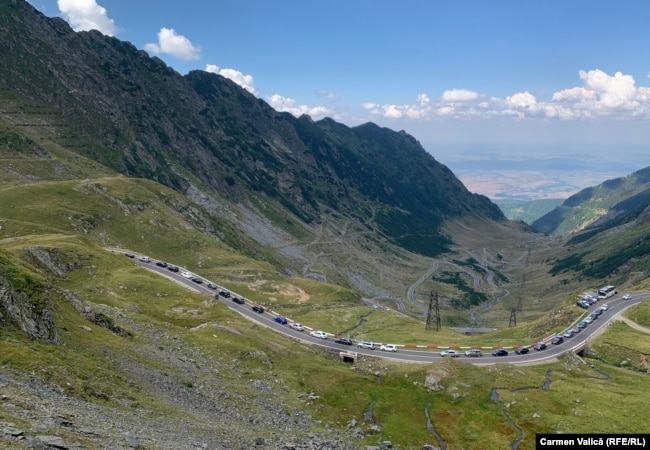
x: 500, y: 173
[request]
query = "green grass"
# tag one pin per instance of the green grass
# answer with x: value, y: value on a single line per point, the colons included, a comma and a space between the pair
x: 461, y: 411
x: 640, y: 314
x: 78, y: 222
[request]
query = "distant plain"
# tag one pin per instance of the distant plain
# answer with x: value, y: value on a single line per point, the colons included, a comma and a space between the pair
x: 536, y: 174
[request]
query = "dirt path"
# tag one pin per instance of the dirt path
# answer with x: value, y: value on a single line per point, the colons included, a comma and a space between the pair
x: 631, y: 323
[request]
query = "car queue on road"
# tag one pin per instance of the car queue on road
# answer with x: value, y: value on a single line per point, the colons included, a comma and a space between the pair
x: 322, y: 336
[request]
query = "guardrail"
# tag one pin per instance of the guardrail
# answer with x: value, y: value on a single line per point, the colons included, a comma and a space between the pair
x: 353, y: 355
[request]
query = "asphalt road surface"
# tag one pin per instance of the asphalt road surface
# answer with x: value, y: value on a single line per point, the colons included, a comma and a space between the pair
x: 421, y: 354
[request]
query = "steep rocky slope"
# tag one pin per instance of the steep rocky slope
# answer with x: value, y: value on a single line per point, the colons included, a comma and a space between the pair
x: 107, y: 100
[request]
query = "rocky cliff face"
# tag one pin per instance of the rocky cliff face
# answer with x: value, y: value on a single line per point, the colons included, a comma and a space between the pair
x: 107, y: 100
x: 19, y: 310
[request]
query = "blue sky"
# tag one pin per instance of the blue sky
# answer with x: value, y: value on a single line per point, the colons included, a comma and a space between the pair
x: 469, y: 79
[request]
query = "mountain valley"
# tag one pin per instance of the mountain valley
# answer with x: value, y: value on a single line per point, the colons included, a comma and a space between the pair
x: 105, y: 150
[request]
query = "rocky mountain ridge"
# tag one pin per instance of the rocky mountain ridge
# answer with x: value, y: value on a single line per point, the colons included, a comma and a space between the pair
x: 597, y: 205
x: 110, y: 102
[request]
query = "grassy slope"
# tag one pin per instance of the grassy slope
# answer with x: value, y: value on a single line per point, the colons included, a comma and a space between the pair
x: 462, y: 410
x: 528, y: 211
x: 82, y: 218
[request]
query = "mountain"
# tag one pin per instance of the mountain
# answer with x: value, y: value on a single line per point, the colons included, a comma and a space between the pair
x: 618, y: 249
x: 203, y: 135
x: 595, y: 206
x: 104, y: 151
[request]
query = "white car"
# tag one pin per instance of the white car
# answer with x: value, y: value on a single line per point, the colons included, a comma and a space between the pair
x: 627, y: 297
x: 388, y: 348
x: 318, y: 334
x: 145, y: 259
x: 187, y: 274
x: 296, y: 326
x: 366, y: 344
x: 450, y: 352
x: 605, y: 307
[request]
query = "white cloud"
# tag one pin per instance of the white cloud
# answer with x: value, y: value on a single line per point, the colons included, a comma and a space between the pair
x: 601, y: 95
x: 423, y: 99
x: 328, y: 94
x: 245, y: 81
x: 573, y: 94
x: 458, y: 95
x: 174, y: 44
x: 84, y: 15
x: 613, y: 93
x: 522, y: 100
x: 289, y: 105
x: 605, y: 96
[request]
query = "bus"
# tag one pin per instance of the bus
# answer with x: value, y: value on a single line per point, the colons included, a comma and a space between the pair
x: 607, y: 292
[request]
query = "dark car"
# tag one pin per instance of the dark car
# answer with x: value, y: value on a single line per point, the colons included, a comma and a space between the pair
x: 197, y: 280
x: 258, y: 308
x: 540, y: 346
x: 238, y: 300
x: 211, y: 285
x: 522, y: 350
x: 129, y: 255
x: 583, y: 304
x: 582, y: 325
x: 557, y: 340
x: 172, y: 268
x: 281, y: 320
x: 343, y: 340
x: 597, y: 312
x: 161, y: 263
x: 225, y: 294
x: 500, y: 352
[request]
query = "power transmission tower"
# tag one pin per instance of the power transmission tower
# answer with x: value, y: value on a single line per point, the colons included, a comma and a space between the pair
x: 437, y: 313
x: 513, y: 317
x: 433, y: 314
x: 520, y: 305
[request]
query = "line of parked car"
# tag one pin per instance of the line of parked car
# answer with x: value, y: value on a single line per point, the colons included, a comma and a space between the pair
x: 585, y: 302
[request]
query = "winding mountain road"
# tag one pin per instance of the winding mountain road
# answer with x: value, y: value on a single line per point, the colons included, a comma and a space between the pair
x: 410, y: 353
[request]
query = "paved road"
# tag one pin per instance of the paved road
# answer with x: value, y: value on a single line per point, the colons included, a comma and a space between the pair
x: 420, y: 354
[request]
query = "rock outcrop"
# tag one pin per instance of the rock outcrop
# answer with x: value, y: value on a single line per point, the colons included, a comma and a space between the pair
x: 34, y: 317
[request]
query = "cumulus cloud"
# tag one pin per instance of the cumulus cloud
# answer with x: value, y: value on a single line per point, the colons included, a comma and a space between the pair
x: 174, y: 44
x: 84, y: 15
x: 522, y: 100
x: 458, y: 95
x: 245, y: 81
x: 601, y: 95
x: 604, y: 95
x: 289, y: 105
